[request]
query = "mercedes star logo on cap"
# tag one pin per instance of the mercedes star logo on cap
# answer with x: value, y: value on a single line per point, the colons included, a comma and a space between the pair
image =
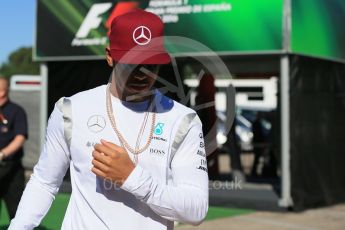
x: 96, y: 123
x: 142, y: 35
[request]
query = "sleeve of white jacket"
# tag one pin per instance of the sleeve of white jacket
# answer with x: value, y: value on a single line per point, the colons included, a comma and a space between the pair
x: 186, y: 199
x: 48, y: 174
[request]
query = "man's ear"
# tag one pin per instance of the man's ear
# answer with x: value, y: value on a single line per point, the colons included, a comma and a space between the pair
x: 108, y: 57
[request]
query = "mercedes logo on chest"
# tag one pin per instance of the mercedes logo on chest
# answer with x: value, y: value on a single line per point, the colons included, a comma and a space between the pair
x: 142, y: 35
x: 96, y: 123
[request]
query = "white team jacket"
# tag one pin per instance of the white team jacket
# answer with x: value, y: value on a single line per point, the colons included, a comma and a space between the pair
x: 170, y: 183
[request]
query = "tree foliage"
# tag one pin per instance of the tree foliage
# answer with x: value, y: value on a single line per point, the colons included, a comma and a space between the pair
x: 20, y: 62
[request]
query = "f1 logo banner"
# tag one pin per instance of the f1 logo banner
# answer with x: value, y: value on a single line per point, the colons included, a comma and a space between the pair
x: 74, y: 30
x: 77, y: 30
x: 93, y: 19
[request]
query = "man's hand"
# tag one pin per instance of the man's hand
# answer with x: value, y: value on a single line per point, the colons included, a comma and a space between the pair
x: 111, y: 162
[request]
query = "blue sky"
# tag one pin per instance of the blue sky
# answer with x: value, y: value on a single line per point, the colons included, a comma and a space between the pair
x: 17, y: 19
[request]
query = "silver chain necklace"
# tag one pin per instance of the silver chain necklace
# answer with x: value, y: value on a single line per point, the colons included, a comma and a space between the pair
x: 123, y: 142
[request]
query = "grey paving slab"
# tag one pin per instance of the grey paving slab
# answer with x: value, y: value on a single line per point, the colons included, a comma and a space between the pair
x: 329, y: 218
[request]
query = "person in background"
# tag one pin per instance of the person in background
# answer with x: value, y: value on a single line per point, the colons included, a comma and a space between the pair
x: 206, y: 92
x: 13, y: 133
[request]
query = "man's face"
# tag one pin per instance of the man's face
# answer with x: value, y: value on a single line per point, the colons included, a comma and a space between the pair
x: 135, y: 79
x: 3, y: 89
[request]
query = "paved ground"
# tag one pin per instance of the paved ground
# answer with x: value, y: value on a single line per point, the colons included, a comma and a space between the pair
x: 330, y: 218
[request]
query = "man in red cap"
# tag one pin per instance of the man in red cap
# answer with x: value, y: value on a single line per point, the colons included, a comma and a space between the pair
x: 136, y: 157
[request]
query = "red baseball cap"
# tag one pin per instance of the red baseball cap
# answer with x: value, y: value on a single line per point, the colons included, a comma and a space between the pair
x: 136, y: 37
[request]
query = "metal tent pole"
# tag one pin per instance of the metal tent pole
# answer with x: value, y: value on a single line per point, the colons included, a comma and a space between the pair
x: 286, y: 200
x: 43, y: 102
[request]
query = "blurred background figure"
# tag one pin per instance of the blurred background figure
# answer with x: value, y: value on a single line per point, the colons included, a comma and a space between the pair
x: 206, y: 92
x: 265, y: 163
x: 13, y: 133
x: 259, y: 142
x: 234, y: 151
